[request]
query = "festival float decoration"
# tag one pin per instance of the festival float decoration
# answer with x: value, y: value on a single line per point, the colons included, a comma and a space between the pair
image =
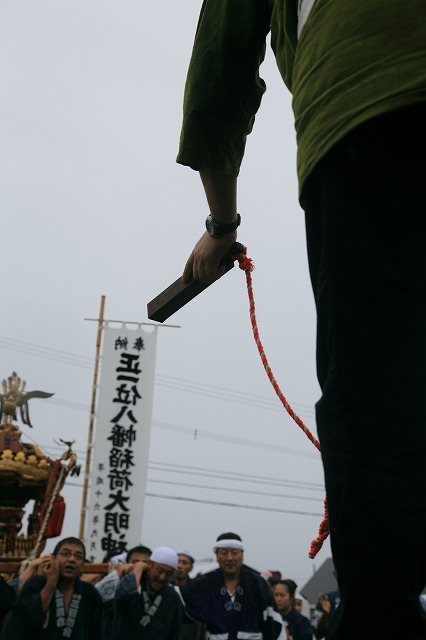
x: 27, y: 474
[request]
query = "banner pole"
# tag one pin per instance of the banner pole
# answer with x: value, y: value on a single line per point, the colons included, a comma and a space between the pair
x: 92, y: 420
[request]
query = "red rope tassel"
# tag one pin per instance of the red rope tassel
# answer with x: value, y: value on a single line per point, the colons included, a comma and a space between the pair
x: 323, y: 533
x: 246, y: 264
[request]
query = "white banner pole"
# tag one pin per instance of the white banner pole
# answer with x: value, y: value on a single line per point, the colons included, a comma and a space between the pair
x: 91, y: 420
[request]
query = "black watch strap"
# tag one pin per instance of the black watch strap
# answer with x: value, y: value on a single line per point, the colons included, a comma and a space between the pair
x: 216, y: 230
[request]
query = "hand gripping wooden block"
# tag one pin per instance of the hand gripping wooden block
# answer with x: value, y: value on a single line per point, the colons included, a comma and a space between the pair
x: 178, y: 294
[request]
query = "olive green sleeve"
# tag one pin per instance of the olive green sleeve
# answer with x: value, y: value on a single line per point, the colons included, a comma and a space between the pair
x: 223, y: 89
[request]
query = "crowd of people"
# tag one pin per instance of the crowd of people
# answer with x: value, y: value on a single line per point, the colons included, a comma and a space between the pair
x: 150, y: 595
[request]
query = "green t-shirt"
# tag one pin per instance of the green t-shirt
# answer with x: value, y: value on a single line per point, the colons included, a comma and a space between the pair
x: 355, y: 59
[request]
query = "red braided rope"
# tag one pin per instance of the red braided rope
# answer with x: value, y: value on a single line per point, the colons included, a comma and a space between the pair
x: 246, y: 265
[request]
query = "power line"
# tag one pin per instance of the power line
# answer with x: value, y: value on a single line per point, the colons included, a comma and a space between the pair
x: 169, y: 382
x: 224, y: 489
x: 228, y: 476
x: 174, y: 468
x: 233, y: 475
x: 200, y: 389
x: 229, y: 490
x: 70, y: 404
x: 211, y: 435
x: 234, y: 505
x: 47, y: 353
x: 250, y: 399
x: 243, y: 442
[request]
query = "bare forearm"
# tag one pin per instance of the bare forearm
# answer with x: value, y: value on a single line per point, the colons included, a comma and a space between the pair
x: 221, y: 194
x: 204, y: 263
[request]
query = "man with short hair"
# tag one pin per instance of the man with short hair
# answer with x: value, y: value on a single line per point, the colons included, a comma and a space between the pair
x: 184, y: 568
x: 138, y: 554
x: 56, y: 604
x: 233, y: 601
x: 108, y: 585
x: 190, y: 629
x: 147, y: 606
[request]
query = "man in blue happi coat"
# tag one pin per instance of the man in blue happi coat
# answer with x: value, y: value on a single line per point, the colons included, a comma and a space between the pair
x: 233, y: 601
x: 147, y: 606
x: 56, y: 604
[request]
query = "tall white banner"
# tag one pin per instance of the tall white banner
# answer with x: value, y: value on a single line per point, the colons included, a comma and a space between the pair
x: 121, y: 442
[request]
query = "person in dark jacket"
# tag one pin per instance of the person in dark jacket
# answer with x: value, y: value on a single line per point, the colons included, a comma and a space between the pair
x: 298, y: 627
x: 147, y: 606
x: 233, y: 601
x: 190, y: 630
x: 56, y: 604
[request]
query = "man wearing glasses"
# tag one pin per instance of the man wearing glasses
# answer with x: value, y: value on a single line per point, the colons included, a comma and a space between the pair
x: 233, y: 601
x: 56, y: 604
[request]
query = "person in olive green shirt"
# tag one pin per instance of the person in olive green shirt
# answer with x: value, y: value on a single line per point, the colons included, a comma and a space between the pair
x: 357, y: 72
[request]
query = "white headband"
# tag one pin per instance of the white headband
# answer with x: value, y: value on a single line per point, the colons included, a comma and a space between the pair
x: 228, y: 544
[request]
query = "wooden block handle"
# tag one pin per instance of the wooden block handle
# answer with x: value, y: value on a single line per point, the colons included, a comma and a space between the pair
x: 175, y: 296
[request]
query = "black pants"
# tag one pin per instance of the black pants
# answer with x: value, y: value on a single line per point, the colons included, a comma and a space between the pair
x: 366, y: 232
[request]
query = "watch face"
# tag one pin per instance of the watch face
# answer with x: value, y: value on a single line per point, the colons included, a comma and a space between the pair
x: 217, y: 230
x: 210, y: 226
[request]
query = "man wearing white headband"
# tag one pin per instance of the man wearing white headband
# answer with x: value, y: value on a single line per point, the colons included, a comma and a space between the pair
x: 233, y: 601
x: 148, y: 608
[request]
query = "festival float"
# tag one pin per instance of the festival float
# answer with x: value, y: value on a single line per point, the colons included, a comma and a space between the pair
x: 27, y: 474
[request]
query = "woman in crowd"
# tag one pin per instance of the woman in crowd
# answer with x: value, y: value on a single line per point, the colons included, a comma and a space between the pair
x: 298, y: 627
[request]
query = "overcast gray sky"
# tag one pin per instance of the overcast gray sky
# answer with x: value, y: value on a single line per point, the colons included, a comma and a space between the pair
x: 93, y: 203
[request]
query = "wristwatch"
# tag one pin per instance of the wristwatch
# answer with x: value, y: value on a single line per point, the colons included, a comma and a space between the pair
x: 216, y: 230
